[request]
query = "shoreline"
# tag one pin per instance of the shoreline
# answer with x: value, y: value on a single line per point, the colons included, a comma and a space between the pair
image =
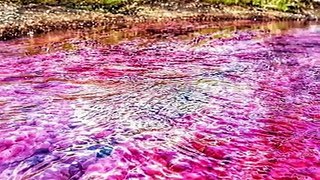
x: 20, y: 21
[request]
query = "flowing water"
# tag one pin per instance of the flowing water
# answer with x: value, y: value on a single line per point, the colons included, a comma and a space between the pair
x: 217, y: 103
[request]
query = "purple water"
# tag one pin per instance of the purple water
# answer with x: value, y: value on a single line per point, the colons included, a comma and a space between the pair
x: 234, y: 103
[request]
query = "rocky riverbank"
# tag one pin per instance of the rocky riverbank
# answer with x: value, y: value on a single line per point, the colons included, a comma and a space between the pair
x: 18, y: 20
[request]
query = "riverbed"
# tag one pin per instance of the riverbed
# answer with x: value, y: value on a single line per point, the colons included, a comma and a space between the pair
x: 237, y: 101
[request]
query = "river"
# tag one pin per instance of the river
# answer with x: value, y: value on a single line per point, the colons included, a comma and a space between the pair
x: 238, y: 101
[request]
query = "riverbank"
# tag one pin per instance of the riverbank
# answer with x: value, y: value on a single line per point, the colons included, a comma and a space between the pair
x: 17, y: 20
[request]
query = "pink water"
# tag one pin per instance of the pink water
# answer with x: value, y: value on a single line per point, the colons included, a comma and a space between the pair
x: 214, y: 104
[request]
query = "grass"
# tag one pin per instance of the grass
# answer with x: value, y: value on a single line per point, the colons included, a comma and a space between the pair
x: 281, y: 5
x: 107, y: 5
x: 75, y: 2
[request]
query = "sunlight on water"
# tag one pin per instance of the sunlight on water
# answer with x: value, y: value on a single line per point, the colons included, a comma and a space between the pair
x: 237, y: 103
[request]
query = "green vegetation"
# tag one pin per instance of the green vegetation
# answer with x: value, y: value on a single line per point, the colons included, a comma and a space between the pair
x: 78, y: 2
x: 107, y: 5
x: 282, y: 5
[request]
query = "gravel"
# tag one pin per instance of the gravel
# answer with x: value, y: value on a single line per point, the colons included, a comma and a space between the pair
x: 17, y: 20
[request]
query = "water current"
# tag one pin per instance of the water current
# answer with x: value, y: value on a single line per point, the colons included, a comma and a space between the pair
x: 234, y: 102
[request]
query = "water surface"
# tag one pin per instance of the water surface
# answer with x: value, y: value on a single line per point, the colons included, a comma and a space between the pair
x: 230, y: 102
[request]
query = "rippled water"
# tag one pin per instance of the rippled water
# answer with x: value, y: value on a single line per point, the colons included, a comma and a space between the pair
x: 235, y: 103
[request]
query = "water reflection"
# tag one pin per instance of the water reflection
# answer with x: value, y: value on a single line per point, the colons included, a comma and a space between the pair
x: 69, y: 40
x: 237, y: 103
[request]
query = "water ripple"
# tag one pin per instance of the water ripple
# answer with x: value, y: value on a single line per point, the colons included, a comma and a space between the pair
x: 241, y: 105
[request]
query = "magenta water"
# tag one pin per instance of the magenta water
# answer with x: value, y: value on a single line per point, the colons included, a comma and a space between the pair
x: 237, y: 104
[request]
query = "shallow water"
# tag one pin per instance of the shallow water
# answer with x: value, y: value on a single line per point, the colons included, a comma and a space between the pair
x: 226, y: 103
